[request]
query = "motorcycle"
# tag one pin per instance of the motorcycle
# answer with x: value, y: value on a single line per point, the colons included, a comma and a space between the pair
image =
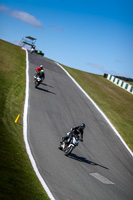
x: 32, y: 49
x: 69, y: 145
x: 37, y: 80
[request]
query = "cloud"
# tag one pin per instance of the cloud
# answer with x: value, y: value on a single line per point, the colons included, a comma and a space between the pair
x: 101, y: 68
x: 22, y: 16
x: 4, y: 8
x: 108, y: 71
x: 118, y: 61
x: 26, y: 17
x: 97, y: 66
x: 56, y: 28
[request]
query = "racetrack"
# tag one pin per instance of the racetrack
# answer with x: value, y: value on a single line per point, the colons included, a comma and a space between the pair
x: 100, y: 168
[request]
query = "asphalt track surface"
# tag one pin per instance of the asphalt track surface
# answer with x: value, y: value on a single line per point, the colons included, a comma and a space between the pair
x: 100, y: 168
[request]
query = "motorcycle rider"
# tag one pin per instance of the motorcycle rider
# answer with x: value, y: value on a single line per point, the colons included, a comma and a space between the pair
x: 32, y: 49
x: 74, y: 131
x: 39, y: 71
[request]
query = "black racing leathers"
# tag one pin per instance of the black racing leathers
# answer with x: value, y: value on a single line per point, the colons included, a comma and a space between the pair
x: 74, y: 131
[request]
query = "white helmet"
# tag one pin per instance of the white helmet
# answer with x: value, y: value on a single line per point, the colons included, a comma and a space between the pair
x: 41, y: 66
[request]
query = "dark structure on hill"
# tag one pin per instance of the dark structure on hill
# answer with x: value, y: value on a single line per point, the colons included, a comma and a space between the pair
x: 125, y: 78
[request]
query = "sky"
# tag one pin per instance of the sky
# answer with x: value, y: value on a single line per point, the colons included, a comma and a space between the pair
x: 95, y: 36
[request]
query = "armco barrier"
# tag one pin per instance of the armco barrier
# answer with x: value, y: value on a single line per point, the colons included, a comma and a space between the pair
x: 120, y: 83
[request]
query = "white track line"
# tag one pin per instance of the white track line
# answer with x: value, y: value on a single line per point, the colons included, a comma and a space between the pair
x: 25, y: 132
x: 101, y: 178
x: 98, y: 110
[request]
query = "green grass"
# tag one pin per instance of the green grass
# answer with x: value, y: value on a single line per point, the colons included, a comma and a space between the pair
x: 17, y: 178
x: 115, y: 102
x: 131, y: 83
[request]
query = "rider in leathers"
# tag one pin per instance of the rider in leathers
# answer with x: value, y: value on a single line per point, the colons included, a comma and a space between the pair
x: 75, y: 131
x: 39, y: 71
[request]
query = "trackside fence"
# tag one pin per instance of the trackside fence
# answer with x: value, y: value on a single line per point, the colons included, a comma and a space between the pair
x: 120, y: 83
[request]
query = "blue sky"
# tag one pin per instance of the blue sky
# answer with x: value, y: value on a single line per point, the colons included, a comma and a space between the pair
x: 93, y: 36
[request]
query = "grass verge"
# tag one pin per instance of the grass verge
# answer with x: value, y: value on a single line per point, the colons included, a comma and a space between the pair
x: 17, y: 178
x: 115, y: 102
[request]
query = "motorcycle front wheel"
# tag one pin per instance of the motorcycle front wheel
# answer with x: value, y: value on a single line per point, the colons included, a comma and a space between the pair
x: 36, y: 84
x: 68, y: 150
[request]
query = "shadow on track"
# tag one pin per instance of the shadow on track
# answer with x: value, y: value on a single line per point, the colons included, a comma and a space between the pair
x: 82, y: 159
x: 47, y: 85
x: 45, y: 90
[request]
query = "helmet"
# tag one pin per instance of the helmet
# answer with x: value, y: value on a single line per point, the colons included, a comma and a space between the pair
x: 82, y: 126
x: 41, y: 66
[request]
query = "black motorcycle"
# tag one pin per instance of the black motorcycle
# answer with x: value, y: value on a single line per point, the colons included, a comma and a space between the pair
x: 68, y: 145
x: 38, y: 79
